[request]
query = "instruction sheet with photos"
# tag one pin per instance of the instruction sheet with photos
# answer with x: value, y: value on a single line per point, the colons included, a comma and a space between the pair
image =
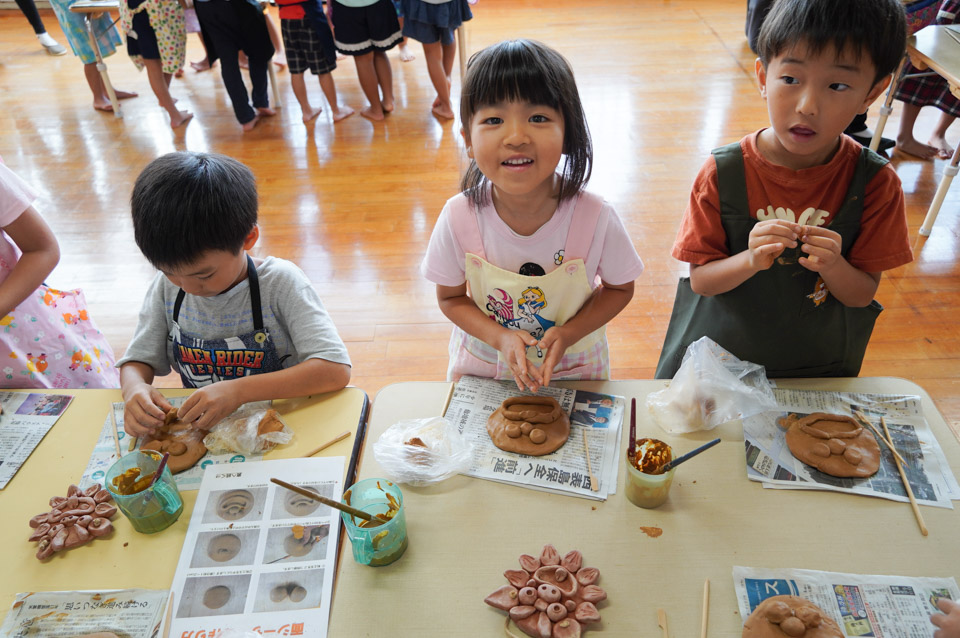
x: 258, y: 557
x: 25, y: 420
x: 105, y: 450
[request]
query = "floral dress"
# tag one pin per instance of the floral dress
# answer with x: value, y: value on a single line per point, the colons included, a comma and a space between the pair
x: 168, y: 23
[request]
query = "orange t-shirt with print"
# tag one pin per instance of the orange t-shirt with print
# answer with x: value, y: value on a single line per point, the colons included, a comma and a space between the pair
x: 811, y: 197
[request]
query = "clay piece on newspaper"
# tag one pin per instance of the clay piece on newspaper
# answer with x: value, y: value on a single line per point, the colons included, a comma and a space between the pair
x: 183, y: 441
x: 549, y: 595
x: 834, y: 444
x: 73, y: 520
x: 529, y: 425
x: 791, y: 617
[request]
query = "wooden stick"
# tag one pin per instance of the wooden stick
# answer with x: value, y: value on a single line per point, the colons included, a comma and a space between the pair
x: 632, y: 441
x: 888, y: 443
x: 339, y: 437
x: 906, y: 483
x: 326, y: 501
x: 169, y: 619
x: 706, y: 608
x: 446, y: 402
x: 662, y: 622
x: 594, y: 487
x: 113, y: 430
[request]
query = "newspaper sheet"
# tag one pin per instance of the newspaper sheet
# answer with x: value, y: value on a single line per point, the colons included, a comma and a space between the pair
x: 862, y: 605
x: 132, y: 613
x: 564, y: 471
x: 769, y: 459
x: 258, y: 557
x: 105, y: 451
x: 25, y: 420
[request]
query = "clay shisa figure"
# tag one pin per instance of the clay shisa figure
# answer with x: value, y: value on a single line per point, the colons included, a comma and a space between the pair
x: 834, y: 444
x: 790, y: 616
x: 529, y: 425
x: 75, y: 519
x: 550, y: 596
x: 183, y: 441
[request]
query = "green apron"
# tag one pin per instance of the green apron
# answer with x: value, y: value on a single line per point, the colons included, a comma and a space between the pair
x: 782, y: 318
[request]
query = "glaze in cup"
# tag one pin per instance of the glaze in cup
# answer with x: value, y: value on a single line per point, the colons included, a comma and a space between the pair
x: 382, y: 544
x: 155, y: 508
x: 647, y: 490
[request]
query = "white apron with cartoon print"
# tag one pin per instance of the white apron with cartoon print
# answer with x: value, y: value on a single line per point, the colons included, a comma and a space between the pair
x: 530, y: 303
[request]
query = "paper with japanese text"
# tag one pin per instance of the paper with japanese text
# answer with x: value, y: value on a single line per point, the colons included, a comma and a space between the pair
x: 25, y: 420
x: 132, y: 613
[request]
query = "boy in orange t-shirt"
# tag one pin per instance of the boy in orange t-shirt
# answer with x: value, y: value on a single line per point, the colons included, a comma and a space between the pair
x: 787, y: 232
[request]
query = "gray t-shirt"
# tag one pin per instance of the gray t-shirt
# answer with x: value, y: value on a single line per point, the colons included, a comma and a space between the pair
x: 293, y: 316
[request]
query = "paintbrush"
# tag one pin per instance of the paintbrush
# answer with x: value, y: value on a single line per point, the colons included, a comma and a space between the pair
x: 689, y: 455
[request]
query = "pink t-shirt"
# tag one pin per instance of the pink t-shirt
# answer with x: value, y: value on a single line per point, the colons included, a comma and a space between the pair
x: 15, y: 197
x: 612, y: 255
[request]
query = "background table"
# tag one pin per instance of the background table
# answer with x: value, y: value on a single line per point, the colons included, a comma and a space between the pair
x: 465, y: 532
x: 128, y: 558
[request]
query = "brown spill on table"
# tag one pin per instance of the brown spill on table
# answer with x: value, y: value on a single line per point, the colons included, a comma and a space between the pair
x: 652, y: 532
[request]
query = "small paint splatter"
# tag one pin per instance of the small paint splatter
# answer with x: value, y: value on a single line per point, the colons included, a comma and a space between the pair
x: 652, y: 532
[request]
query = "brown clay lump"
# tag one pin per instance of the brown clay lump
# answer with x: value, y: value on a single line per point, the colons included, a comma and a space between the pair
x: 529, y: 425
x: 183, y: 441
x: 789, y: 616
x: 834, y: 444
x: 74, y: 519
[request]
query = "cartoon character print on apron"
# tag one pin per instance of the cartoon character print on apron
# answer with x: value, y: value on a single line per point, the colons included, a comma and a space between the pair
x: 783, y: 318
x: 530, y: 303
x: 201, y: 362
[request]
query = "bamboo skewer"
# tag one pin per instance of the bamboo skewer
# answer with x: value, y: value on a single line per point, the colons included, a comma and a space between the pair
x: 113, y: 430
x: 906, y: 483
x: 706, y: 608
x: 353, y: 511
x: 888, y: 443
x: 338, y: 438
x: 662, y: 622
x: 594, y: 487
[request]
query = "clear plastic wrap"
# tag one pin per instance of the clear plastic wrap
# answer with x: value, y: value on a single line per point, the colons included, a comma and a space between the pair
x: 249, y: 430
x: 422, y: 451
x: 711, y: 387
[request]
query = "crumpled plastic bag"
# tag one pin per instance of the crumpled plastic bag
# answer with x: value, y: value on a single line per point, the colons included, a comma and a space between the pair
x: 711, y: 387
x: 422, y: 451
x: 249, y: 430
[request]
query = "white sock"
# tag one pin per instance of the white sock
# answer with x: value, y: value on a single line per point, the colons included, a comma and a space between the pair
x: 46, y: 40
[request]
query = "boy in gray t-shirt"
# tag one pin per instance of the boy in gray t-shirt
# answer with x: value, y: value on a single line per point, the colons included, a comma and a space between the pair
x: 238, y: 328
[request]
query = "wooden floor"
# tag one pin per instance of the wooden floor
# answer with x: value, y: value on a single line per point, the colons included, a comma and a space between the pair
x: 354, y: 204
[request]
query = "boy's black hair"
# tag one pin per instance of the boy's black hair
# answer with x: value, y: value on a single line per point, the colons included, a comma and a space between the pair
x: 527, y: 71
x: 186, y: 203
x: 875, y: 27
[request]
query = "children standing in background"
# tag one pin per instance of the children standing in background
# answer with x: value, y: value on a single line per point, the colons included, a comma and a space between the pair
x: 788, y: 231
x: 238, y: 328
x: 30, y: 12
x: 547, y: 263
x: 366, y: 30
x: 433, y: 22
x: 157, y: 39
x: 309, y: 44
x: 47, y: 339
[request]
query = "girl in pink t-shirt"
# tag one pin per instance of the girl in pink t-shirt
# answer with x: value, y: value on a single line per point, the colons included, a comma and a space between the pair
x: 528, y: 266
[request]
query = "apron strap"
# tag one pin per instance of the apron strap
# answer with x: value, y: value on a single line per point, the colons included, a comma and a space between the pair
x: 730, y: 172
x: 255, y: 308
x: 583, y: 226
x: 466, y: 226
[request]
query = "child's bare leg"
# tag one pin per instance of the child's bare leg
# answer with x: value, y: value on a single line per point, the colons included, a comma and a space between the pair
x: 300, y: 90
x: 384, y: 78
x: 367, y: 74
x: 330, y: 92
x: 160, y: 82
x: 279, y: 58
x: 906, y: 142
x: 405, y: 54
x: 101, y: 101
x: 938, y: 139
x: 433, y: 54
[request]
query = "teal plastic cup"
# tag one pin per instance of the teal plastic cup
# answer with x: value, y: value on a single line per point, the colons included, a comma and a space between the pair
x: 381, y: 544
x: 155, y: 508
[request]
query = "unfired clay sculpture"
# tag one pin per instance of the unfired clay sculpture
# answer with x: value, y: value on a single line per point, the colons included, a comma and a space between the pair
x: 529, y: 425
x: 549, y: 596
x: 183, y: 441
x: 75, y: 519
x: 834, y: 444
x: 790, y: 616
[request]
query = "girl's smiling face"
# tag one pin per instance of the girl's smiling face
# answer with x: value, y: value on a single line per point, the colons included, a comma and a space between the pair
x: 517, y: 146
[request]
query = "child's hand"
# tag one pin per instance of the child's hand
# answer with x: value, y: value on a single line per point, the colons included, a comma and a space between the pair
x: 513, y: 346
x: 768, y: 239
x: 949, y: 621
x: 555, y: 342
x: 822, y: 247
x: 210, y: 404
x: 143, y: 410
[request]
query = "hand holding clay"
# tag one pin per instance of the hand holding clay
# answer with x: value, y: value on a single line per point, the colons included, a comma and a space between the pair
x: 513, y: 347
x: 143, y: 410
x: 183, y: 441
x: 767, y: 241
x: 822, y: 247
x: 210, y: 404
x: 555, y: 343
x: 949, y: 621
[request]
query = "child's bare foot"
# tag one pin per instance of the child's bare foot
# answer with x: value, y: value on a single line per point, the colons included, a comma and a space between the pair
x: 103, y: 104
x: 443, y: 111
x: 910, y: 146
x: 265, y: 111
x: 387, y: 106
x: 372, y: 114
x: 342, y: 113
x: 183, y: 118
x: 202, y: 65
x: 125, y: 95
x: 405, y: 54
x: 179, y: 73
x: 311, y: 114
x: 249, y: 126
x: 944, y: 150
